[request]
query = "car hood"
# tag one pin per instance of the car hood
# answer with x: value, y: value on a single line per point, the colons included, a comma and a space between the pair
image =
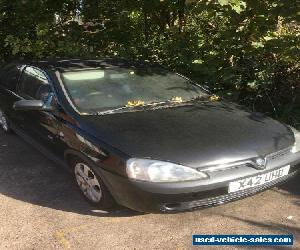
x: 196, y: 135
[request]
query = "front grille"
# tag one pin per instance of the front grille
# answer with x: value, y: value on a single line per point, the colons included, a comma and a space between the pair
x: 208, y: 202
x: 279, y: 154
x: 248, y: 163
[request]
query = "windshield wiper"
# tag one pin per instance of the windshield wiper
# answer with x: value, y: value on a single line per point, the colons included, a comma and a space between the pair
x: 200, y: 98
x: 111, y: 111
x: 116, y: 110
x: 168, y: 103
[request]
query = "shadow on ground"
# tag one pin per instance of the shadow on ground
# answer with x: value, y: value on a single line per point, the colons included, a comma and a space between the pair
x: 27, y: 175
x: 276, y: 228
x: 293, y: 186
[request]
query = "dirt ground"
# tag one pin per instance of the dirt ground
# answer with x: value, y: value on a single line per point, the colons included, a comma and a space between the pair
x: 42, y: 209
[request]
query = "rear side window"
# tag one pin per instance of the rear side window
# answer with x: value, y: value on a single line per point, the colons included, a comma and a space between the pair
x: 9, y: 76
x: 31, y: 82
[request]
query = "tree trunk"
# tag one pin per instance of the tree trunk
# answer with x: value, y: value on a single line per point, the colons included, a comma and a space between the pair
x: 146, y: 26
x: 181, y: 14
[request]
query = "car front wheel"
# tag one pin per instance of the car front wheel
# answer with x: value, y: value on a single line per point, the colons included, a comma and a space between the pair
x: 91, y: 185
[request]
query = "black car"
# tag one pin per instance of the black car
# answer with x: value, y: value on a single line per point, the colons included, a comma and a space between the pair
x: 142, y: 136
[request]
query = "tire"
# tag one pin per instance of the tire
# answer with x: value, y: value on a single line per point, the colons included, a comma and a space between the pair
x: 91, y: 185
x: 4, y: 123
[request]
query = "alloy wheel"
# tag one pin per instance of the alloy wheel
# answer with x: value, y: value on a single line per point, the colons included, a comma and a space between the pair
x: 88, y: 182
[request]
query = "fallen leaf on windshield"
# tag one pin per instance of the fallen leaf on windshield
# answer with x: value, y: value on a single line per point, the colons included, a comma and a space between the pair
x: 176, y: 99
x: 214, y: 98
x: 135, y: 103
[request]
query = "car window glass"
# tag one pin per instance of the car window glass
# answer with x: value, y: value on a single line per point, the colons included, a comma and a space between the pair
x: 34, y: 84
x: 98, y: 89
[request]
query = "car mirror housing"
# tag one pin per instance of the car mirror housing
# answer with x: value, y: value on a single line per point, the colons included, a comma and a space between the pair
x: 32, y: 105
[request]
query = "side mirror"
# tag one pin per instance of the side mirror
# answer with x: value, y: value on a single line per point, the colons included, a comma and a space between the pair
x: 32, y: 105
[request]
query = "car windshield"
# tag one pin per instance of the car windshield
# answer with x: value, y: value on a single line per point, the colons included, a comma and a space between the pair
x: 101, y: 90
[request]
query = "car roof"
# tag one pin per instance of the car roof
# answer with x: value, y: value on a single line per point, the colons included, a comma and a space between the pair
x: 64, y: 65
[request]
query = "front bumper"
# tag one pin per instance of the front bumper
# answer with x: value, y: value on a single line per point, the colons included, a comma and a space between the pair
x: 222, y: 199
x: 174, y: 197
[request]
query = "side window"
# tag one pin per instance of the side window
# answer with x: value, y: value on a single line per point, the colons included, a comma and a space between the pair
x: 34, y: 84
x: 9, y: 76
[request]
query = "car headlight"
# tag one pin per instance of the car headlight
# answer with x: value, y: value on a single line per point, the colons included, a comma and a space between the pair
x: 159, y: 171
x: 296, y: 147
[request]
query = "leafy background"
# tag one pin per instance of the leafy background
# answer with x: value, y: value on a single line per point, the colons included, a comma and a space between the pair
x: 247, y: 51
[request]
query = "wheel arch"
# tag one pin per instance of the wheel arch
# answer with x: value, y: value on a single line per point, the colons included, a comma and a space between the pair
x: 71, y: 154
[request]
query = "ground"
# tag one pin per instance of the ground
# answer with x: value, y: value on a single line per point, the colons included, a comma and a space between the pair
x: 42, y: 209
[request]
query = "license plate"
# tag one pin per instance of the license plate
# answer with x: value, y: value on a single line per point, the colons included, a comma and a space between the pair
x: 258, y: 180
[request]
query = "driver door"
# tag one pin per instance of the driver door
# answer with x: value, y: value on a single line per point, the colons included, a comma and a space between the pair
x: 40, y: 126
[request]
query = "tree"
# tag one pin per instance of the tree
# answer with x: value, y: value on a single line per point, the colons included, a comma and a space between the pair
x: 246, y: 50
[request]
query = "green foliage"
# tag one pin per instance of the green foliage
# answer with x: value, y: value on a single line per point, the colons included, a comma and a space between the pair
x: 245, y: 50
